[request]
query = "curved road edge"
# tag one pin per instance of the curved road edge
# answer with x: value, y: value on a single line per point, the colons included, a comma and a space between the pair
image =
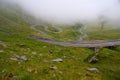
x: 84, y: 44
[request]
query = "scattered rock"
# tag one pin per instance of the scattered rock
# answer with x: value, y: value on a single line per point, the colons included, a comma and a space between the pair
x: 64, y: 56
x: 93, y: 70
x: 54, y: 75
x: 35, y: 72
x: 14, y: 77
x: 34, y: 53
x: 19, y: 62
x: 57, y: 60
x: 18, y: 57
x: 32, y: 71
x: 1, y: 51
x: 28, y: 49
x: 24, y: 58
x: 50, y: 51
x: 73, y: 57
x: 29, y: 70
x: 3, y: 44
x: 14, y: 59
x: 60, y: 72
x: 93, y: 60
x: 53, y: 67
x: 3, y: 71
x: 46, y: 61
x: 40, y: 55
x: 22, y: 45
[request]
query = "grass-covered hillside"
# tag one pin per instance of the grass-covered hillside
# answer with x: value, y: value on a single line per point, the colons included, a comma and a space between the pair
x: 67, y: 33
x: 108, y: 33
x: 23, y: 58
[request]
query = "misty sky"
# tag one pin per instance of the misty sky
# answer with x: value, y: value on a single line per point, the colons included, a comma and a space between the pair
x: 71, y: 10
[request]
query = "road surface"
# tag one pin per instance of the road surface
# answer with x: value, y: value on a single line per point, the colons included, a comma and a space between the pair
x: 88, y: 44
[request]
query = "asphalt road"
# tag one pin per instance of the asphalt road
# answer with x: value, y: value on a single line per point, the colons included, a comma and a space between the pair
x: 88, y: 44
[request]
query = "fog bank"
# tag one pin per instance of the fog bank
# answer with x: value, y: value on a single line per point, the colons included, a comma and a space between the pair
x: 67, y: 11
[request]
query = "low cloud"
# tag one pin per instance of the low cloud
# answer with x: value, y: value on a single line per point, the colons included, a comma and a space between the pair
x: 67, y: 11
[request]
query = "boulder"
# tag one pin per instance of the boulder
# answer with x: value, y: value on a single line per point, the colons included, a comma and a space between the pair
x: 93, y: 60
x: 32, y: 70
x: 14, y: 59
x: 34, y: 53
x: 1, y: 51
x: 95, y: 70
x: 24, y: 58
x: 57, y: 60
x: 19, y: 58
x: 3, y: 44
x: 53, y: 67
x: 22, y: 45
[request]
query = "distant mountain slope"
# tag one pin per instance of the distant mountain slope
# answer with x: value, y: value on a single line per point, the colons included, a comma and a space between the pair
x: 12, y: 20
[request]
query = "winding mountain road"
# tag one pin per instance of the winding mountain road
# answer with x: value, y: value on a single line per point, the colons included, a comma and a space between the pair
x: 39, y: 31
x: 88, y: 44
x: 47, y: 29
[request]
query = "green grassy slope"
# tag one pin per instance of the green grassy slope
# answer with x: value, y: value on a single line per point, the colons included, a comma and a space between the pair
x: 37, y: 67
x: 68, y: 34
x: 105, y: 34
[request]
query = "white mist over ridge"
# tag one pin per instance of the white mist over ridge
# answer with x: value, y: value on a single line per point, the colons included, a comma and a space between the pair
x: 67, y: 11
